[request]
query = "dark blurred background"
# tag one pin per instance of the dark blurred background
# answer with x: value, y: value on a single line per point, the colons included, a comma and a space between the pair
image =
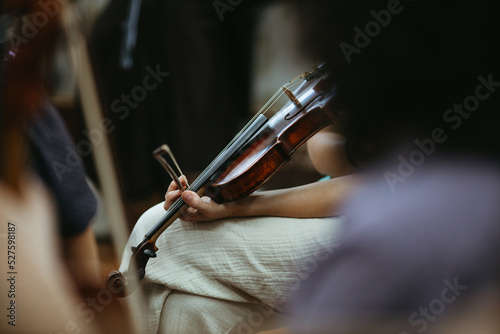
x: 217, y: 63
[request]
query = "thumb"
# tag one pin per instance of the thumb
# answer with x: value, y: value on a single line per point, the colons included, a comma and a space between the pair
x: 192, y: 199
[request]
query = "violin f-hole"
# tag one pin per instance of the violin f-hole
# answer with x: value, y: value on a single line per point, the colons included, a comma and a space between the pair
x: 289, y: 117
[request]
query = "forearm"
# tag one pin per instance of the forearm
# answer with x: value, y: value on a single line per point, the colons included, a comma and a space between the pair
x: 319, y: 199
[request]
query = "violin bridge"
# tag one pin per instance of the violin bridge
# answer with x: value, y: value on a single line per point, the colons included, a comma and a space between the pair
x: 158, y: 154
x: 292, y: 97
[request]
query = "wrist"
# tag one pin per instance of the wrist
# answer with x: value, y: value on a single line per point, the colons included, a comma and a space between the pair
x: 234, y: 209
x: 244, y: 207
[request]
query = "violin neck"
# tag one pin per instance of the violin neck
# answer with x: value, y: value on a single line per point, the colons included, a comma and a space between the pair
x: 211, y: 172
x: 174, y: 212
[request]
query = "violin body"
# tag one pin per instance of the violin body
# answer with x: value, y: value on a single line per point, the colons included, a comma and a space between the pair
x: 273, y: 145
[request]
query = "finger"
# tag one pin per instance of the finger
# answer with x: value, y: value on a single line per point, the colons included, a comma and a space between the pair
x: 183, y: 180
x: 191, y: 215
x: 194, y: 201
x: 170, y: 191
x: 206, y: 199
x: 170, y: 197
x: 172, y: 186
x: 173, y: 192
x: 173, y: 195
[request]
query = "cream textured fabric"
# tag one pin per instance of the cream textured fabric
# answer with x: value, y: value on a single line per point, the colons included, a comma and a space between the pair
x: 187, y: 313
x: 258, y: 260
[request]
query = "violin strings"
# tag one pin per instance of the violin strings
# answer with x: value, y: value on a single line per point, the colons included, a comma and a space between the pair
x: 269, y: 104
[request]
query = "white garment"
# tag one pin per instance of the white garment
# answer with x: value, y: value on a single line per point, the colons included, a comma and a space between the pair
x: 258, y: 260
x: 187, y: 313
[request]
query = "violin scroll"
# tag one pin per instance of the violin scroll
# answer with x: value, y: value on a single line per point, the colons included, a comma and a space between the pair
x: 122, y: 284
x: 116, y: 282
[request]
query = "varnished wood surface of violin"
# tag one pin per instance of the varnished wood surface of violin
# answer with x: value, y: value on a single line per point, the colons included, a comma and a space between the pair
x: 273, y: 145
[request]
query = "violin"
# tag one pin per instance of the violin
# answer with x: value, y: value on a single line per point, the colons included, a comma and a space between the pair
x: 248, y: 161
